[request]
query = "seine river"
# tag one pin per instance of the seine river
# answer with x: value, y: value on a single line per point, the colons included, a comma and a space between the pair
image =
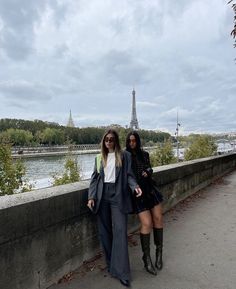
x: 40, y: 171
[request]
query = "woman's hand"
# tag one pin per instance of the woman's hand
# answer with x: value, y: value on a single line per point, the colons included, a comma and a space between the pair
x: 138, y: 192
x: 90, y: 204
x: 144, y: 174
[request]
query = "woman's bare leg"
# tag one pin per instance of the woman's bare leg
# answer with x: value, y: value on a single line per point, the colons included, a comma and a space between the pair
x: 145, y: 218
x: 157, y: 218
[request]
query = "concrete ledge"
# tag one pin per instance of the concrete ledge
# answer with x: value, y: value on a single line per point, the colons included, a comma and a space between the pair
x: 178, y: 181
x: 49, y: 232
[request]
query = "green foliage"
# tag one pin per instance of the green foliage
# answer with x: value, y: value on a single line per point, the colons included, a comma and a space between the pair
x: 186, y: 141
x: 163, y: 155
x: 155, y: 136
x: 122, y: 136
x: 148, y: 137
x: 32, y: 126
x: 71, y: 173
x: 16, y: 136
x: 11, y: 173
x: 233, y: 32
x: 202, y: 146
x: 51, y: 136
x: 30, y: 133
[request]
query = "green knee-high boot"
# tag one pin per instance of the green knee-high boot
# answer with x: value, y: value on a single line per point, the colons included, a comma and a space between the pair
x: 158, y: 241
x: 145, y: 243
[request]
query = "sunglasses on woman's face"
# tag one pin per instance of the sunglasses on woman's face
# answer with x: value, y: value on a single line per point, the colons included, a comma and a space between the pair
x: 109, y: 139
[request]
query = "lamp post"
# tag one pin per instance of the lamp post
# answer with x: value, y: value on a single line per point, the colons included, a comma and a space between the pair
x: 177, y: 135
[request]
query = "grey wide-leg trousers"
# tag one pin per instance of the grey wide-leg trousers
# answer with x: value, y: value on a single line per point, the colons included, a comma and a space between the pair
x: 112, y: 226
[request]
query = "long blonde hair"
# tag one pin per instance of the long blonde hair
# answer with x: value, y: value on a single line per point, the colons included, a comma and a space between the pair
x: 117, y: 148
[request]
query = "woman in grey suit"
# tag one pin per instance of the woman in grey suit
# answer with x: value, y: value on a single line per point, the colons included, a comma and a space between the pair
x: 110, y: 199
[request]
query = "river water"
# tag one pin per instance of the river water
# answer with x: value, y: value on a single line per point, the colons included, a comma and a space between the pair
x: 40, y: 171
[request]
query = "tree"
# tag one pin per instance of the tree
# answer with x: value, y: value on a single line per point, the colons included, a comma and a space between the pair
x: 52, y: 136
x: 11, y: 173
x: 18, y: 136
x: 163, y: 155
x: 122, y: 136
x: 233, y: 32
x: 70, y: 175
x: 28, y: 132
x: 201, y: 147
x: 32, y: 126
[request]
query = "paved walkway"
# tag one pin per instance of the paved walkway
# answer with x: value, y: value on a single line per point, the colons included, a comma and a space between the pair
x: 199, y: 247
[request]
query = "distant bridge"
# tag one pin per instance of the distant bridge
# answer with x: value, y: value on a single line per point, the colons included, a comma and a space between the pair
x: 46, y: 151
x: 54, y: 148
x: 223, y: 146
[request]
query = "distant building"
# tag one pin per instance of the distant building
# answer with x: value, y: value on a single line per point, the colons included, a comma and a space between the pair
x: 115, y: 126
x: 134, y: 120
x: 70, y: 121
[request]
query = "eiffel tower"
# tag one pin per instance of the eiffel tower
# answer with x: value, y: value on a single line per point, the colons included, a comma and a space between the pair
x: 134, y: 120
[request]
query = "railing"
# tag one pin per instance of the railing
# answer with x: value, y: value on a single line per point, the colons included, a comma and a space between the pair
x: 55, y: 148
x: 18, y: 150
x: 60, y: 148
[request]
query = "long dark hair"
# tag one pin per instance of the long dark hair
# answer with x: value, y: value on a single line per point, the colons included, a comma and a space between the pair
x: 138, y: 149
x: 117, y: 148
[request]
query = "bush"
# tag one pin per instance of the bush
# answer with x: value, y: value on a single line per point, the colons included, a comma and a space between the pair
x: 70, y: 175
x: 201, y: 147
x: 163, y: 155
x: 11, y: 173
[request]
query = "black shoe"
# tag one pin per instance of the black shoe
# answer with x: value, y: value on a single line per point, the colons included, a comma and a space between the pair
x: 148, y: 265
x: 124, y: 282
x: 145, y: 244
x: 158, y: 240
x: 159, y: 263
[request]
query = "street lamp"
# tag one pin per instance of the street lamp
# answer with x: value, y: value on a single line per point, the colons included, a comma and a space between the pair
x: 177, y: 135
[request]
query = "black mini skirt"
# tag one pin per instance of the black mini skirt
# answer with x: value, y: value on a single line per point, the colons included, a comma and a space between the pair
x: 150, y: 198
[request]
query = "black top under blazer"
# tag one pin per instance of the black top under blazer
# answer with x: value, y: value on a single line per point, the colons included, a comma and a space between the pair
x: 125, y: 179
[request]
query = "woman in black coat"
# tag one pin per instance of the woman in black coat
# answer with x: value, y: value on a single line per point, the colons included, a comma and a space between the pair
x: 109, y: 197
x: 148, y: 206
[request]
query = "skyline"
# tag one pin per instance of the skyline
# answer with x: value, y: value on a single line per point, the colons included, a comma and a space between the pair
x: 62, y: 55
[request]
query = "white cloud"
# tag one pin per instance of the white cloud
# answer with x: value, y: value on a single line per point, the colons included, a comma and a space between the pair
x: 87, y: 55
x: 146, y: 103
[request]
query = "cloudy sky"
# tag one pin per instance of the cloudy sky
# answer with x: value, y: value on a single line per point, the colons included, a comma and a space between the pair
x: 87, y: 55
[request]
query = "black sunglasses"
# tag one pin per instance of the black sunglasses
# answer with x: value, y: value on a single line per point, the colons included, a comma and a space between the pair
x: 109, y: 139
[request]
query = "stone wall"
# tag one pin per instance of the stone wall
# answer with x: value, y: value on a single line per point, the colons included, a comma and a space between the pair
x: 49, y: 232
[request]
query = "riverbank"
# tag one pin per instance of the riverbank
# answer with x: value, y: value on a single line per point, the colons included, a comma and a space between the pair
x: 37, y: 154
x: 56, y: 154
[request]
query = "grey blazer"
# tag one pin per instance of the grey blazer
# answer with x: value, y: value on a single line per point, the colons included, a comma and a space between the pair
x: 125, y: 179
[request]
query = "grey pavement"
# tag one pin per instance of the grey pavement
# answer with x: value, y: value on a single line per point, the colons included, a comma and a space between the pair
x: 199, y: 247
